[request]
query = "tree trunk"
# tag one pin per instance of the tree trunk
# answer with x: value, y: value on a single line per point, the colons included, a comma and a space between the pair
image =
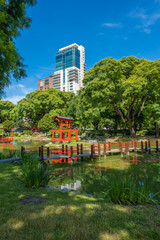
x: 157, y: 130
x: 132, y: 132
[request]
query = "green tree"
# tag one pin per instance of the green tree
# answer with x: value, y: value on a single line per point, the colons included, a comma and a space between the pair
x: 46, y: 123
x: 8, y: 125
x: 13, y: 18
x: 5, y: 109
x: 152, y: 116
x: 22, y: 124
x: 125, y: 85
x: 36, y: 104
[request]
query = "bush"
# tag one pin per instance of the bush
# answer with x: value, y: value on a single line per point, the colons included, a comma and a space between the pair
x: 36, y: 134
x: 141, y: 133
x: 34, y: 172
x: 27, y: 132
x: 49, y: 134
x: 19, y: 134
x: 8, y: 125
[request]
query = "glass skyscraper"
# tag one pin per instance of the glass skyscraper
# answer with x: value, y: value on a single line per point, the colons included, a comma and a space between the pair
x: 69, y: 68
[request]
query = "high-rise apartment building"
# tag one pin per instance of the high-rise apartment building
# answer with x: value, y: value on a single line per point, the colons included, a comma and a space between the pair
x: 69, y: 68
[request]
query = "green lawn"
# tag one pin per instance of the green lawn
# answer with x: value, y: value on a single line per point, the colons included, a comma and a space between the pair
x: 69, y: 216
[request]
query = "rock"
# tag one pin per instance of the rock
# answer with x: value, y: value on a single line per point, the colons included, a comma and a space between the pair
x: 64, y: 190
x: 49, y: 188
x: 32, y: 199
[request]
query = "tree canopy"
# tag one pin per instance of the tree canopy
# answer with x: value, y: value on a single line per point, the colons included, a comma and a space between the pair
x: 123, y: 85
x: 13, y: 19
x: 5, y: 109
x: 36, y: 104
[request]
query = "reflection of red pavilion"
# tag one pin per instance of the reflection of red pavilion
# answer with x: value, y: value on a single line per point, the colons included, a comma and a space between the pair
x: 64, y: 134
x: 59, y: 152
x: 35, y: 129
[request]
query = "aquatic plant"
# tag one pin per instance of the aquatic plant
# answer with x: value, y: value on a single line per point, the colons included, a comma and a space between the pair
x: 124, y: 188
x: 9, y: 154
x: 35, y: 173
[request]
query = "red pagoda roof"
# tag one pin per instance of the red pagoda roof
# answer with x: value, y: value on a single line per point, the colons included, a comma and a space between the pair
x: 64, y: 118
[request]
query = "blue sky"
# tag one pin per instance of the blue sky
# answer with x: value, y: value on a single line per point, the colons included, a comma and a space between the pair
x: 105, y: 28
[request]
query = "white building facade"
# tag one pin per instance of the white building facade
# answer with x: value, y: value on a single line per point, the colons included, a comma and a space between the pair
x: 69, y: 68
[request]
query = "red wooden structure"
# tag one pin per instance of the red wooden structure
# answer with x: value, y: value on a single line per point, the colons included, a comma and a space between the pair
x: 35, y: 129
x: 64, y: 121
x: 60, y: 151
x: 7, y: 139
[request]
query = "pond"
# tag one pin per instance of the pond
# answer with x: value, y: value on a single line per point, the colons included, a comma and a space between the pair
x: 13, y: 149
x: 91, y: 177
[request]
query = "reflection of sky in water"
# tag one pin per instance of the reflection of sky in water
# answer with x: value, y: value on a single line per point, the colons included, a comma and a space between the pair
x: 72, y: 186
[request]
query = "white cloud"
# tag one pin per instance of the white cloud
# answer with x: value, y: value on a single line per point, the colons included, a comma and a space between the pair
x: 20, y: 85
x: 14, y: 99
x: 24, y: 89
x: 112, y: 25
x: 146, y: 20
x: 16, y: 92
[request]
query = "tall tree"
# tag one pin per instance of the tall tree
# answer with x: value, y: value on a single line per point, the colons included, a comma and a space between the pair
x: 5, y: 110
x: 13, y: 18
x: 36, y: 104
x: 125, y: 84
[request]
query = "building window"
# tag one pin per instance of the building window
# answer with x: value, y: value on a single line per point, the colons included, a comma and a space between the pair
x: 46, y: 81
x: 41, y: 83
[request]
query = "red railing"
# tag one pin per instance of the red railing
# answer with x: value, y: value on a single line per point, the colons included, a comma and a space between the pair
x: 6, y: 139
x: 72, y: 152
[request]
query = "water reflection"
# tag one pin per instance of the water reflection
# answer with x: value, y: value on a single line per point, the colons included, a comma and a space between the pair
x: 71, y: 187
x: 93, y: 176
x: 8, y: 150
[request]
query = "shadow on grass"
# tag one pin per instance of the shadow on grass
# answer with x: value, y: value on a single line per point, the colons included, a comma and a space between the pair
x: 72, y: 216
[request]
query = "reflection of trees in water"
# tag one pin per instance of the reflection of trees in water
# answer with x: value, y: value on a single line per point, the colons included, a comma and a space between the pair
x: 140, y: 169
x: 147, y: 175
x: 143, y: 159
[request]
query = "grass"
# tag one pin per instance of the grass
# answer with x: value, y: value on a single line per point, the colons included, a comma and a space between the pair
x: 29, y: 137
x: 69, y: 216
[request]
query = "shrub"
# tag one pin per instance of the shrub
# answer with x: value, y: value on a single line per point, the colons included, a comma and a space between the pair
x: 19, y: 134
x: 34, y: 172
x: 36, y: 134
x: 49, y: 134
x: 8, y: 125
x: 27, y: 132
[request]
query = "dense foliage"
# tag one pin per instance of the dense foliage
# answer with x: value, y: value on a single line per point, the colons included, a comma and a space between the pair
x: 5, y: 109
x: 118, y: 90
x: 119, y: 96
x: 36, y: 104
x: 13, y: 18
x: 8, y: 125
